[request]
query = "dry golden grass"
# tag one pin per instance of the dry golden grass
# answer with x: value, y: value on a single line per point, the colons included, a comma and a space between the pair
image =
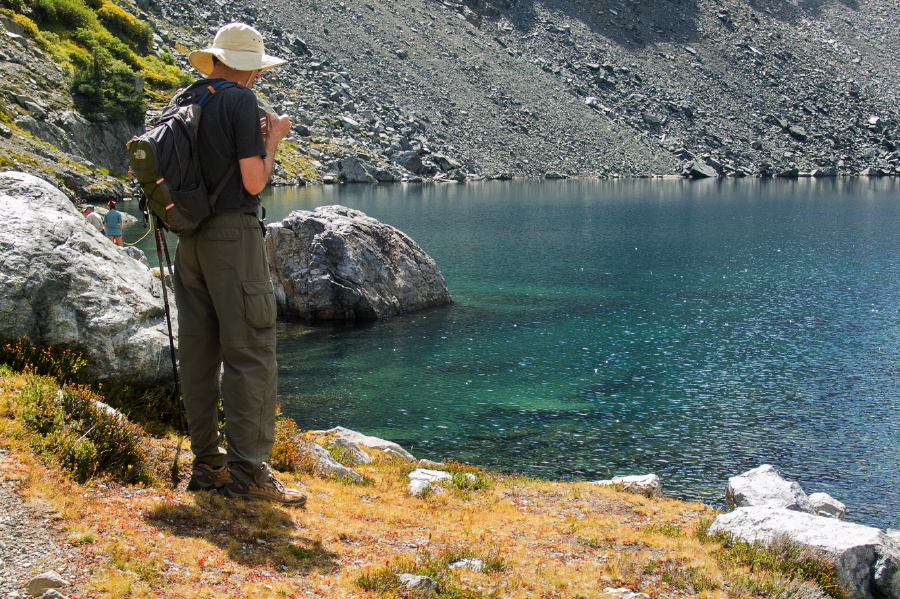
x: 539, y: 539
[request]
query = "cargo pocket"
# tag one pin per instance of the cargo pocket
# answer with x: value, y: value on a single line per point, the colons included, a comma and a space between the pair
x: 259, y: 304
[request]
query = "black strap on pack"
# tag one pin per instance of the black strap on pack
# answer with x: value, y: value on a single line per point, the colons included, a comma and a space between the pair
x: 210, y: 91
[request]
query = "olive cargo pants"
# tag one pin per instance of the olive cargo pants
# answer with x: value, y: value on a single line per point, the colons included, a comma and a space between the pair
x: 226, y: 322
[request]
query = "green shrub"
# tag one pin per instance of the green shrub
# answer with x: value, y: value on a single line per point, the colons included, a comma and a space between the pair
x: 71, y: 428
x: 158, y: 408
x: 466, y: 477
x: 12, y: 5
x: 62, y: 364
x: 125, y: 27
x: 38, y: 413
x: 107, y: 49
x: 385, y: 582
x: 779, y: 562
x: 161, y: 74
x: 61, y: 14
x: 289, y: 453
x: 285, y: 455
x: 106, y: 85
x: 30, y: 27
x: 75, y: 454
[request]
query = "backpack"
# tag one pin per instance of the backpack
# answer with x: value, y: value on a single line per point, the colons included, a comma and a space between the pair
x: 165, y: 161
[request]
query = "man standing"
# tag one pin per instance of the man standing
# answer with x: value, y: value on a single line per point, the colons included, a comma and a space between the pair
x: 93, y: 218
x: 225, y: 299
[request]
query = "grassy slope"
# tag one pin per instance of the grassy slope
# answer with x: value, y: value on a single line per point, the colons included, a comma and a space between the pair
x: 537, y: 538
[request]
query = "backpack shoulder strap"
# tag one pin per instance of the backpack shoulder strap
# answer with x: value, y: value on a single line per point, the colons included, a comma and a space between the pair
x: 212, y: 89
x: 210, y: 92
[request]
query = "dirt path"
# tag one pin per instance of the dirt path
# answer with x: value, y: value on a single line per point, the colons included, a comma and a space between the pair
x: 31, y: 539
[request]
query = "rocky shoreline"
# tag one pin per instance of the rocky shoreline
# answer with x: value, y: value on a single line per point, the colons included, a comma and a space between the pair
x: 764, y: 507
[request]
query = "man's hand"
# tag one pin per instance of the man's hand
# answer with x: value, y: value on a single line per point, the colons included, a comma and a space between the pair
x: 256, y: 170
x: 275, y: 127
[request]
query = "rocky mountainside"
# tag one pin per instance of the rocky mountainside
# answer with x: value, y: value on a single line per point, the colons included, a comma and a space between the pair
x: 586, y: 87
x: 381, y: 90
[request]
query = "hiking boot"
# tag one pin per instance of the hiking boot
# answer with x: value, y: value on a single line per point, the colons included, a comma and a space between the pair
x: 271, y: 490
x: 206, y: 478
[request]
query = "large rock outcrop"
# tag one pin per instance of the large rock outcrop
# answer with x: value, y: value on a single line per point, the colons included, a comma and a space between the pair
x: 768, y: 509
x: 867, y: 560
x: 339, y: 264
x: 64, y: 284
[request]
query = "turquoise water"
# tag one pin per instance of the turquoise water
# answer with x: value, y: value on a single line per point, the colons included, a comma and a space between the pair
x: 694, y: 329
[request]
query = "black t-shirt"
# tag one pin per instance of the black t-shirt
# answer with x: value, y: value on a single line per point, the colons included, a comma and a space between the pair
x: 229, y: 131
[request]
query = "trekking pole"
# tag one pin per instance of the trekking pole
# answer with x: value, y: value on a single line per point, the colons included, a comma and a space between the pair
x: 160, y: 244
x: 176, y: 392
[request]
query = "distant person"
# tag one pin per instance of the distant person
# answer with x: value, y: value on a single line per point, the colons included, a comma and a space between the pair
x: 225, y: 298
x: 93, y: 218
x: 112, y: 223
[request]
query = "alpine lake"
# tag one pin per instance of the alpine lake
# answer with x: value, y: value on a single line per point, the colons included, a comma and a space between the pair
x: 694, y: 329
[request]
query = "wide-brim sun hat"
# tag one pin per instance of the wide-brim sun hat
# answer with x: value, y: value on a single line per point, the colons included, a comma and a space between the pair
x: 239, y: 46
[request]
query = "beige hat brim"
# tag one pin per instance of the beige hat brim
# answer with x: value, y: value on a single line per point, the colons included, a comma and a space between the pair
x: 202, y: 60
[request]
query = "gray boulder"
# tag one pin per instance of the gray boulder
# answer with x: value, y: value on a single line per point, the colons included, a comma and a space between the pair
x: 339, y: 264
x: 64, y: 284
x: 101, y: 142
x: 93, y: 187
x: 824, y: 504
x: 700, y: 170
x: 867, y: 560
x: 445, y: 163
x: 764, y: 486
x: 388, y: 447
x: 421, y: 586
x: 411, y: 161
x: 38, y: 585
x: 354, y: 170
x: 353, y: 452
x: 329, y: 466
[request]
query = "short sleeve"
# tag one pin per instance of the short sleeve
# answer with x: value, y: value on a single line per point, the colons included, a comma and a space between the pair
x: 247, y: 130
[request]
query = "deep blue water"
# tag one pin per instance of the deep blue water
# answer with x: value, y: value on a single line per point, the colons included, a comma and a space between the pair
x: 694, y: 329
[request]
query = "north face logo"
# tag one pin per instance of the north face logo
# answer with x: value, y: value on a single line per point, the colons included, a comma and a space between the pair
x: 139, y: 154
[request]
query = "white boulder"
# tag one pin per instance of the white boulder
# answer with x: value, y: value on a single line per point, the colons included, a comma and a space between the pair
x: 825, y: 505
x: 423, y: 480
x: 388, y: 447
x: 764, y: 486
x: 642, y: 484
x: 63, y: 284
x: 867, y: 559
